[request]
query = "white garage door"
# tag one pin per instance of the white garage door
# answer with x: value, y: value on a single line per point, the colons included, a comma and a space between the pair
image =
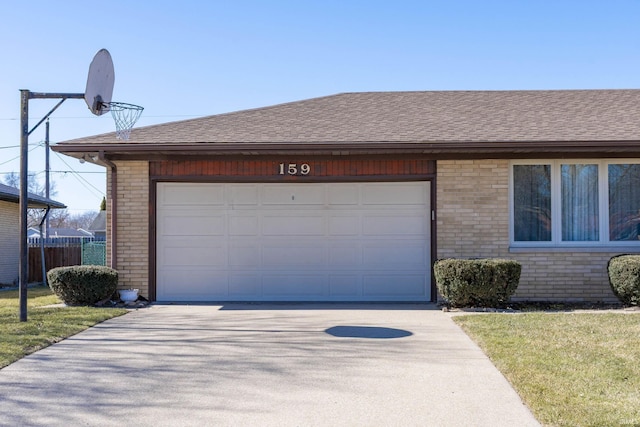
x: 293, y: 242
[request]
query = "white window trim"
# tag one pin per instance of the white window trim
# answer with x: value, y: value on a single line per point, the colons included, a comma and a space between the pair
x: 556, y: 215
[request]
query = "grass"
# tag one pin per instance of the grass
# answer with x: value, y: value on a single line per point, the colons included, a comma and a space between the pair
x: 45, y: 325
x: 571, y: 369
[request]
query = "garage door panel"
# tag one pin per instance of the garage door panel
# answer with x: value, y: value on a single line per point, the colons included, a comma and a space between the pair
x: 189, y: 256
x: 293, y: 225
x: 193, y: 284
x: 293, y: 285
x: 292, y: 195
x: 344, y: 256
x: 244, y: 285
x: 381, y: 254
x: 395, y: 285
x: 180, y: 194
x: 396, y: 225
x: 244, y: 194
x: 283, y: 255
x: 245, y: 256
x: 244, y: 225
x: 394, y: 194
x: 199, y: 250
x: 341, y: 286
x: 192, y: 224
x: 344, y: 225
x: 346, y: 194
x: 293, y: 242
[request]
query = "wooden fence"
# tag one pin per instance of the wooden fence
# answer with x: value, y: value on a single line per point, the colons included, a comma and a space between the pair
x: 54, y: 257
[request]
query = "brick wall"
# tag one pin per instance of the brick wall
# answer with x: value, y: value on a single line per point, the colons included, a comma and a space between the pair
x: 132, y: 260
x: 9, y: 241
x: 572, y: 276
x: 473, y: 221
x: 473, y: 209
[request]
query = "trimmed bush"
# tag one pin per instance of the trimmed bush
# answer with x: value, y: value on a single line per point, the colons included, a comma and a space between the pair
x: 624, y: 278
x: 83, y: 284
x: 477, y: 282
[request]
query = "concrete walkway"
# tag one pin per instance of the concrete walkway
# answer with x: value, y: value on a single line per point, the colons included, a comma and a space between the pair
x: 263, y: 365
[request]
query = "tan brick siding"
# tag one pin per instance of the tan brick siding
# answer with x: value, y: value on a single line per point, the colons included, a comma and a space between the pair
x: 9, y: 242
x: 473, y: 221
x: 132, y: 261
x: 473, y: 209
x: 565, y: 276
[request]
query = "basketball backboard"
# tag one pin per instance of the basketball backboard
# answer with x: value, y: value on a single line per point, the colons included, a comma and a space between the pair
x: 100, y: 83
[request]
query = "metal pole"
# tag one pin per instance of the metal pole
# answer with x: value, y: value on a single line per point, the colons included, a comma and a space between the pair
x: 24, y: 170
x: 46, y: 177
x: 43, y: 263
x: 25, y: 95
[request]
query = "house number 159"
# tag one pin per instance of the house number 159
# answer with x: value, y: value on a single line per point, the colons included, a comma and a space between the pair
x: 294, y: 169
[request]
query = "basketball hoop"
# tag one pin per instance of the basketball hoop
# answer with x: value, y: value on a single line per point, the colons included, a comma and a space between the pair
x: 125, y: 116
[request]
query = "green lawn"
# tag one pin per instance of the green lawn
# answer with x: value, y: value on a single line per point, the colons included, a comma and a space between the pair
x: 571, y: 369
x: 45, y: 326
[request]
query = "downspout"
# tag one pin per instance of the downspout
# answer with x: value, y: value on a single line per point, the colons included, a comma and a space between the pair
x: 44, y: 267
x: 114, y: 208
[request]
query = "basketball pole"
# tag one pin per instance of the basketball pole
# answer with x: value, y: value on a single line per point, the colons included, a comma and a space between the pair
x: 25, y: 96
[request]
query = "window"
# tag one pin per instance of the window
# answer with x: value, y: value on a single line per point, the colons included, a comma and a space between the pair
x: 624, y: 202
x: 532, y: 202
x: 579, y: 199
x: 570, y: 203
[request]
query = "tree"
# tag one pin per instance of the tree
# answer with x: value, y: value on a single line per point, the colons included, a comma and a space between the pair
x: 103, y: 204
x: 81, y: 220
x: 34, y: 185
x: 58, y: 218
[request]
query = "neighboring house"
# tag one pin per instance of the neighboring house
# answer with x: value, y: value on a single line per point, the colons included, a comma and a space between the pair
x: 33, y: 233
x: 10, y: 229
x: 99, y: 226
x: 60, y: 233
x: 352, y: 197
x: 56, y: 237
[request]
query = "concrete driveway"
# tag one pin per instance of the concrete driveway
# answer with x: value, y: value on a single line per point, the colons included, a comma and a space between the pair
x: 263, y: 365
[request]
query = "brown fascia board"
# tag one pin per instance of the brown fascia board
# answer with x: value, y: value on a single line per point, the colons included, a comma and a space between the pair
x: 449, y: 149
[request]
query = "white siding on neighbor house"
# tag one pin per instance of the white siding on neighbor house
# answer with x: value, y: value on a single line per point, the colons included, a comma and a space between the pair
x: 293, y: 242
x: 9, y: 241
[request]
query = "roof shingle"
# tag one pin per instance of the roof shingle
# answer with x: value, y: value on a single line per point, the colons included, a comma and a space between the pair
x: 431, y: 116
x: 12, y: 194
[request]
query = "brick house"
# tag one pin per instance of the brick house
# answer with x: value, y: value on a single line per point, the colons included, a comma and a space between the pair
x: 10, y: 229
x: 352, y: 197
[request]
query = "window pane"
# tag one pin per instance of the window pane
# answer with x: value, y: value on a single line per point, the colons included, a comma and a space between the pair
x: 624, y: 202
x: 532, y: 203
x: 579, y: 202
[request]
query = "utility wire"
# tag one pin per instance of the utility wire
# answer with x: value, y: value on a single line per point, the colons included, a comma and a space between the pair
x: 60, y: 172
x: 90, y: 117
x: 16, y: 158
x: 37, y: 144
x: 80, y: 173
x: 81, y: 179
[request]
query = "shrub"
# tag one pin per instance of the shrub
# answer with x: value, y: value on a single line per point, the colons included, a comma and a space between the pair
x: 624, y: 278
x: 83, y: 284
x: 477, y: 282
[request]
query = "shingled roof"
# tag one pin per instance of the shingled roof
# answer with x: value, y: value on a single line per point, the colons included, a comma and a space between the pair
x: 12, y: 194
x: 431, y: 118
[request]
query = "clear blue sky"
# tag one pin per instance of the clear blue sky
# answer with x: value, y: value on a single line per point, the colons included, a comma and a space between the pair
x: 185, y: 59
